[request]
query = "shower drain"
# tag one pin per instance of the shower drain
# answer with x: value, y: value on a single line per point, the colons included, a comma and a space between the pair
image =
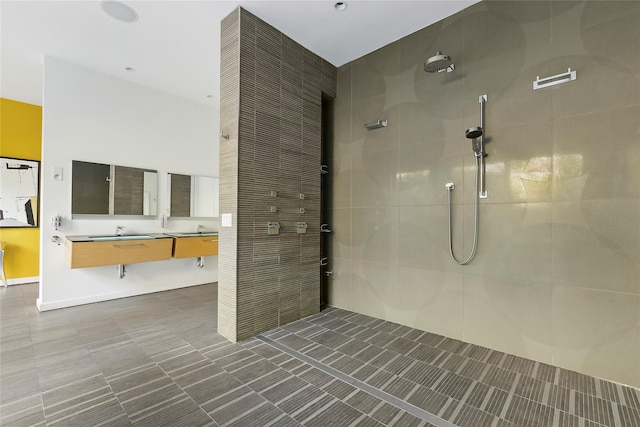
x: 399, y: 403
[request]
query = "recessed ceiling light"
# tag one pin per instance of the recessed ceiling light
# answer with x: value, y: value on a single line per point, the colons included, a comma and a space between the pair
x: 119, y: 11
x: 130, y: 69
x: 340, y: 6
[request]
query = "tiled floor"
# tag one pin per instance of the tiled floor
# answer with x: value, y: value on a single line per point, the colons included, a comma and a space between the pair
x: 156, y: 360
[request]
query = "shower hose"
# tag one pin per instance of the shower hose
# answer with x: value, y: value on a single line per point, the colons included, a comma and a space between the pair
x: 475, y: 220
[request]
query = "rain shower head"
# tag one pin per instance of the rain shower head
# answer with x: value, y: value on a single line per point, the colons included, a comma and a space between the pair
x: 438, y: 63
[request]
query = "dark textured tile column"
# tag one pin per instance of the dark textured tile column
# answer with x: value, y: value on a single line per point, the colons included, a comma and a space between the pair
x: 271, y: 106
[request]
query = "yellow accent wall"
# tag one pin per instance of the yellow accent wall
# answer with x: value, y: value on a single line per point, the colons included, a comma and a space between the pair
x: 21, y: 137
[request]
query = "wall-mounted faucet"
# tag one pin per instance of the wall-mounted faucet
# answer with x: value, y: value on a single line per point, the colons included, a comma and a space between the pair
x: 119, y: 230
x: 200, y: 229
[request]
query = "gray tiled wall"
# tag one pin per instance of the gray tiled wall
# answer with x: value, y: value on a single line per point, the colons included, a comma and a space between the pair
x: 557, y: 273
x: 271, y: 99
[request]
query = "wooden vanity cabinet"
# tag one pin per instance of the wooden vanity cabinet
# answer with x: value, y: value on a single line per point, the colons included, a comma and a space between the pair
x: 94, y: 254
x: 192, y: 247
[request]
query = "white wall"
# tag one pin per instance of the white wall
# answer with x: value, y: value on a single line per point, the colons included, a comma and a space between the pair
x: 97, y: 118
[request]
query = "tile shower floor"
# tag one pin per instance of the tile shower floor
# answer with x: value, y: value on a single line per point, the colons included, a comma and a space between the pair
x: 157, y: 360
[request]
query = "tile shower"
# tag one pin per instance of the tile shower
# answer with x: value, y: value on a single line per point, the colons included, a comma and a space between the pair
x: 557, y: 275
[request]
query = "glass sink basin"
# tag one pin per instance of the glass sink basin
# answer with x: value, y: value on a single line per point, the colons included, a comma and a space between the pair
x: 125, y: 237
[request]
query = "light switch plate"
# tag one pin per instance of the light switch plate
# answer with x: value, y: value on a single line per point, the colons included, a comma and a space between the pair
x: 226, y: 220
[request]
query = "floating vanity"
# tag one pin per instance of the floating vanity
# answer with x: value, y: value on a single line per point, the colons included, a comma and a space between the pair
x: 194, y: 245
x: 100, y: 250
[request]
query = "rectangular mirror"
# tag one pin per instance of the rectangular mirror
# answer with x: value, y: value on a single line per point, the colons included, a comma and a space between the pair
x: 101, y: 189
x: 19, y: 186
x: 193, y: 196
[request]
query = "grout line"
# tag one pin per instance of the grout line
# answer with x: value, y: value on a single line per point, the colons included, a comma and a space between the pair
x: 623, y: 399
x: 157, y: 356
x: 51, y: 421
x: 255, y: 380
x: 59, y: 410
x: 276, y: 421
x: 395, y: 419
x: 143, y: 394
x: 69, y: 384
x: 308, y: 405
x: 154, y: 408
x: 399, y: 403
x: 119, y: 375
x: 110, y: 421
x: 319, y: 411
x: 239, y: 416
x: 181, y: 367
x: 290, y: 395
x: 13, y: 414
x: 556, y: 417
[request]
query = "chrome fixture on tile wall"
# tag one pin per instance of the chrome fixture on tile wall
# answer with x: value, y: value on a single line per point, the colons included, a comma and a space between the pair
x: 539, y: 83
x: 439, y: 63
x: 476, y: 135
x: 376, y: 125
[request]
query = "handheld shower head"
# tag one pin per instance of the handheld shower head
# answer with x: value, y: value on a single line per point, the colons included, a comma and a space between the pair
x: 438, y: 63
x: 473, y: 134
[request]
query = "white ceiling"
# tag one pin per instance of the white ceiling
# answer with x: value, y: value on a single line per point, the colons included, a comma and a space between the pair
x: 174, y: 46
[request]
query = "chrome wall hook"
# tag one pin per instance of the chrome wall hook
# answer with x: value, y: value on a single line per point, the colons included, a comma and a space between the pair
x: 376, y: 125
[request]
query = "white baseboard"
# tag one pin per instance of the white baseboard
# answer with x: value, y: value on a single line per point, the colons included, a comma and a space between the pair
x: 23, y: 280
x: 54, y: 305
